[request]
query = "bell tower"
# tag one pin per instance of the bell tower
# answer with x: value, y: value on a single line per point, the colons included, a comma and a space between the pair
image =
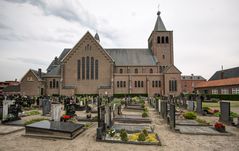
x: 160, y: 43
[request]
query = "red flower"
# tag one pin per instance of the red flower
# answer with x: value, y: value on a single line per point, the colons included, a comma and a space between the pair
x: 66, y: 116
x: 219, y: 125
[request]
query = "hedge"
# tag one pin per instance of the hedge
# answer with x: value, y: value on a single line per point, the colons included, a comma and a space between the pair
x: 121, y: 95
x: 232, y: 97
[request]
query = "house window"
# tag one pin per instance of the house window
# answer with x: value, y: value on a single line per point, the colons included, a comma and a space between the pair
x: 29, y: 79
x: 156, y: 83
x: 224, y: 91
x: 139, y: 84
x: 121, y: 84
x: 96, y: 69
x: 151, y: 70
x: 172, y: 85
x: 158, y: 39
x: 163, y: 56
x: 235, y: 90
x: 135, y: 84
x: 121, y: 70
x: 118, y: 84
x: 166, y: 39
x: 214, y: 91
x: 153, y: 84
x: 78, y: 69
x: 124, y: 83
x: 92, y: 68
x: 83, y: 68
x: 142, y: 83
x: 135, y: 70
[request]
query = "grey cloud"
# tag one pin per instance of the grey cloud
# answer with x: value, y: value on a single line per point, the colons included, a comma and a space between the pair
x: 73, y: 11
x: 29, y: 61
x: 5, y: 27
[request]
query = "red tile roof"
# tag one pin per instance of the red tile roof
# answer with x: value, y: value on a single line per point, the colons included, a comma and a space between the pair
x: 218, y: 83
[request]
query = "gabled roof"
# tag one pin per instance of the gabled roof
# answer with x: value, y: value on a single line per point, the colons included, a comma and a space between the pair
x: 132, y: 56
x: 159, y: 25
x: 217, y: 83
x: 97, y: 43
x: 35, y: 73
x: 56, y: 71
x: 172, y: 69
x: 228, y: 73
x: 192, y: 77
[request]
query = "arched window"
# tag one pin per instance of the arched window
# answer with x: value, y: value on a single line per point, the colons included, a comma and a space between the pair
x: 138, y: 83
x: 162, y: 39
x: 54, y: 83
x: 166, y: 39
x: 135, y: 84
x: 78, y: 69
x: 50, y: 84
x: 142, y: 83
x: 158, y: 39
x: 135, y: 70
x: 57, y: 84
x: 121, y: 70
x: 83, y: 68
x: 87, y: 68
x: 92, y: 68
x: 151, y: 70
x: 96, y: 69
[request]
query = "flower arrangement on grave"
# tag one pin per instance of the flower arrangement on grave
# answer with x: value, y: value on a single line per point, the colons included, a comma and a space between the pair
x: 66, y: 118
x: 219, y: 127
x: 111, y: 132
x: 190, y: 115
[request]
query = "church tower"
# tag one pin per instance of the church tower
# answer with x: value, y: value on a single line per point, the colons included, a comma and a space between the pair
x: 160, y: 43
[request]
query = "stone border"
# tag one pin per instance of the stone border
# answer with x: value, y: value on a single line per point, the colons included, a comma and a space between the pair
x: 131, y: 142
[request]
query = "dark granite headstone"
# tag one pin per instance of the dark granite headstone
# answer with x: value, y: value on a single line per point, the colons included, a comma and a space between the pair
x: 164, y: 109
x: 172, y: 116
x: 156, y: 104
x: 99, y: 133
x: 46, y: 107
x: 225, y: 113
x: 199, y: 106
x: 1, y: 112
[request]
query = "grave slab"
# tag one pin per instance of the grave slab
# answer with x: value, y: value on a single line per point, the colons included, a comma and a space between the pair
x: 4, y: 130
x: 131, y: 128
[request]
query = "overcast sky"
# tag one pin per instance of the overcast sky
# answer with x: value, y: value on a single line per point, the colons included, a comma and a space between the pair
x: 33, y: 32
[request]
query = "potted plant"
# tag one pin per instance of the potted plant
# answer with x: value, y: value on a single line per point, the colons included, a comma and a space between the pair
x: 220, y: 127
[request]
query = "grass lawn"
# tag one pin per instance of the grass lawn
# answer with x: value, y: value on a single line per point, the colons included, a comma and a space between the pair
x: 209, y: 104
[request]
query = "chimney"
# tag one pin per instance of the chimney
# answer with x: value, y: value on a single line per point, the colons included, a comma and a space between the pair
x: 39, y: 72
x: 222, y: 73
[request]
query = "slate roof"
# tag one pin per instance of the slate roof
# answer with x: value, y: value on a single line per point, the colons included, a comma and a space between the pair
x: 12, y: 88
x: 218, y: 83
x: 194, y: 77
x: 132, y: 56
x: 228, y: 73
x: 35, y: 72
x: 159, y: 26
x: 54, y: 67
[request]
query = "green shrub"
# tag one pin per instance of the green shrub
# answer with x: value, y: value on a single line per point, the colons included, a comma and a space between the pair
x: 206, y: 108
x: 123, y: 135
x: 141, y: 137
x: 232, y: 114
x: 33, y: 112
x: 145, y: 114
x: 145, y: 132
x: 34, y: 121
x: 190, y: 115
x: 232, y: 97
x: 146, y: 109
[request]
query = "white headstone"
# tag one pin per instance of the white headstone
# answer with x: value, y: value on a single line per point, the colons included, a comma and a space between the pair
x: 6, y: 104
x: 190, y: 105
x: 159, y: 103
x: 56, y: 112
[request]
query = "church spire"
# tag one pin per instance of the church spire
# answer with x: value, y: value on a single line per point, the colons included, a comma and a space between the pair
x: 159, y: 26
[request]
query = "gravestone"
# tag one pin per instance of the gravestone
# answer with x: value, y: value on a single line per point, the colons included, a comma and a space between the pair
x: 190, y: 105
x: 159, y: 105
x: 1, y: 112
x: 56, y: 112
x: 6, y: 104
x: 199, y: 106
x: 225, y: 113
x: 46, y: 107
x: 156, y: 104
x: 164, y: 109
x: 172, y: 116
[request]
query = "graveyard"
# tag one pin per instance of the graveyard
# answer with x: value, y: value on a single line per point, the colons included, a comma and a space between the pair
x: 107, y: 123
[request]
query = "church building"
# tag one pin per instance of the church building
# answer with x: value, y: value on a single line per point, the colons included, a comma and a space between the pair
x: 88, y: 68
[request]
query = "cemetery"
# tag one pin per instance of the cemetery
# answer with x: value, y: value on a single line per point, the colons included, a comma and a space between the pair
x: 139, y: 121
